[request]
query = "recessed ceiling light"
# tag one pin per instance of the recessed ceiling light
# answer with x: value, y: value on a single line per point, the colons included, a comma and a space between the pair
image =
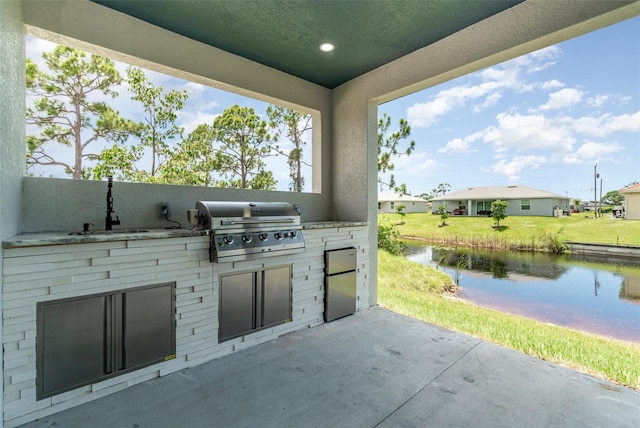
x: 327, y: 47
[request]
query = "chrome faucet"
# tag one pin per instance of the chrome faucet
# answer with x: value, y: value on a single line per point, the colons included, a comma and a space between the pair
x: 109, y: 222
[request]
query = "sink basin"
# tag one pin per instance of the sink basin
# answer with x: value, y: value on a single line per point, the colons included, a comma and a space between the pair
x: 109, y: 232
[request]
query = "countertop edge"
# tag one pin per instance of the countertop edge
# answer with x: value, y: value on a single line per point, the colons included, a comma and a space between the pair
x: 65, y: 238
x: 40, y: 239
x: 332, y: 224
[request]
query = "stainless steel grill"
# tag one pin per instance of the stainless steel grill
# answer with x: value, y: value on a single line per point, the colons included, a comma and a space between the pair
x: 250, y: 230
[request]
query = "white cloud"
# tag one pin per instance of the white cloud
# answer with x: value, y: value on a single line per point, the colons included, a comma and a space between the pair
x: 513, y: 168
x: 459, y: 145
x: 521, y: 132
x: 624, y: 122
x: 418, y: 164
x: 564, y: 98
x: 592, y: 151
x: 455, y: 146
x: 490, y: 101
x: 607, y: 124
x: 493, y: 82
x: 598, y: 100
x: 540, y: 59
x: 421, y: 115
x: 552, y: 84
x: 190, y: 120
x: 194, y: 89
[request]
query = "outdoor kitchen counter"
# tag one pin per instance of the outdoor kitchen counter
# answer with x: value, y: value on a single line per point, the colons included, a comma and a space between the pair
x: 60, y: 238
x: 65, y: 238
x: 332, y: 224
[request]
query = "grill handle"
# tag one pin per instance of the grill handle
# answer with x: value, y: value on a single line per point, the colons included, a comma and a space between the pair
x: 232, y: 222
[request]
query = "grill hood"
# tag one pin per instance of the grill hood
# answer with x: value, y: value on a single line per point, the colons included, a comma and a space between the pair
x: 250, y: 230
x: 225, y: 215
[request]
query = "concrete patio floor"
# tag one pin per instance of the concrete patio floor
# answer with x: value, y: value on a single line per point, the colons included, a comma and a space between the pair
x: 373, y: 369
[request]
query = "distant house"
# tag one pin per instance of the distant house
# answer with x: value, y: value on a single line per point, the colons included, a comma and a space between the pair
x: 389, y: 201
x: 632, y: 201
x: 522, y: 200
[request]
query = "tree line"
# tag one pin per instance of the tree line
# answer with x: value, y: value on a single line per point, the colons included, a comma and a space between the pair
x: 69, y: 109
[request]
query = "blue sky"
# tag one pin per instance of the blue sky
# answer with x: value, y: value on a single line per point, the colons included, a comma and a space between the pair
x: 542, y: 120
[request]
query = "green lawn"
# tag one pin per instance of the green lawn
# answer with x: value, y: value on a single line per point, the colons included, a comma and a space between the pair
x: 415, y: 290
x: 518, y: 232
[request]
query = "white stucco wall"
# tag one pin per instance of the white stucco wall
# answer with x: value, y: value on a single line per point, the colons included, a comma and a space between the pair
x: 12, y: 129
x: 12, y: 126
x: 57, y: 204
x: 409, y: 206
x: 632, y: 206
x: 538, y: 207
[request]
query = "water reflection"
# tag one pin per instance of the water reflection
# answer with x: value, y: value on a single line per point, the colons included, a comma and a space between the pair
x: 589, y: 293
x: 630, y: 288
x: 498, y: 264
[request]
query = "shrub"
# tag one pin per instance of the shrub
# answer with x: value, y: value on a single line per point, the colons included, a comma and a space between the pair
x: 499, y: 211
x: 444, y: 215
x: 554, y: 243
x: 388, y: 239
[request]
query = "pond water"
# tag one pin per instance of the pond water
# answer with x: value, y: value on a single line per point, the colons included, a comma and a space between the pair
x: 592, y: 294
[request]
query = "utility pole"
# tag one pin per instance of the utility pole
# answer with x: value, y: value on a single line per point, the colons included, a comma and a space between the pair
x: 595, y: 191
x: 600, y: 196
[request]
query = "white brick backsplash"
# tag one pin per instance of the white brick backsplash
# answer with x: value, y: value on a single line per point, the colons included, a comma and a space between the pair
x: 26, y: 294
x: 8, y: 338
x: 18, y: 328
x: 13, y: 396
x: 11, y: 346
x: 18, y: 311
x: 36, y: 274
x: 124, y: 252
x: 20, y: 269
x: 57, y: 249
x: 114, y: 260
x: 24, y: 405
x: 15, y: 363
x: 23, y: 376
x: 29, y: 261
x: 206, y: 329
x: 12, y: 387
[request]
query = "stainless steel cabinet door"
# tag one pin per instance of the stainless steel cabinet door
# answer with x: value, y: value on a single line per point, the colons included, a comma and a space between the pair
x: 86, y: 339
x: 340, y: 298
x: 236, y: 315
x: 149, y: 333
x: 72, y: 344
x: 276, y: 296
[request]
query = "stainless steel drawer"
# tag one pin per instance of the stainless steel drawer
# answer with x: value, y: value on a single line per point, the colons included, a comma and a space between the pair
x: 337, y: 261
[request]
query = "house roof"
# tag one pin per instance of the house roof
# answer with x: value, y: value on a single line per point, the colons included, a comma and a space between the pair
x: 286, y: 34
x: 635, y: 188
x: 397, y: 197
x: 498, y: 192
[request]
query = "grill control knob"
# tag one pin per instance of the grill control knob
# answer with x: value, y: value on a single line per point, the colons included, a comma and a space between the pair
x: 247, y: 238
x: 278, y: 235
x: 293, y: 234
x: 263, y: 236
x: 228, y: 239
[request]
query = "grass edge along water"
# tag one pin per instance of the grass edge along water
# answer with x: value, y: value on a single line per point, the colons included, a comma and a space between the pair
x: 517, y: 232
x: 423, y: 293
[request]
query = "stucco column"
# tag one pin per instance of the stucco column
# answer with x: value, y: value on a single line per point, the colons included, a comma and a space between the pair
x: 355, y: 167
x: 12, y: 128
